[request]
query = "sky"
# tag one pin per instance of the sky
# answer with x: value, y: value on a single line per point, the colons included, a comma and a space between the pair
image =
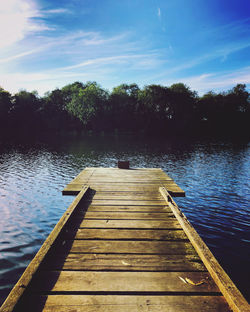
x: 46, y: 44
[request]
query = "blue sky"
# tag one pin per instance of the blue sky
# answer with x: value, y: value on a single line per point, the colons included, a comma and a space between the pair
x: 46, y: 44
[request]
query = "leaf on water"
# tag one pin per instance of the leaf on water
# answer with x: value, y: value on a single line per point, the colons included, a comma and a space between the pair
x: 182, y: 279
x: 189, y: 281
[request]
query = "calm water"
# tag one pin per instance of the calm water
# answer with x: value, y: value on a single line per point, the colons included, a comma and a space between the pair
x: 215, y: 176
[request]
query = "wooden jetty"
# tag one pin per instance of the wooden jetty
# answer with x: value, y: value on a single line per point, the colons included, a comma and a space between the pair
x: 123, y: 245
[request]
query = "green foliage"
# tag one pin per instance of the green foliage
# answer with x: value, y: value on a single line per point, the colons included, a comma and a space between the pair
x: 5, y: 102
x: 24, y: 113
x: 123, y: 106
x: 183, y: 101
x: 87, y: 102
x: 152, y: 109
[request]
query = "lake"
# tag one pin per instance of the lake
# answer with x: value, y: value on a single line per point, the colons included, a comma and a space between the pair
x: 214, y: 174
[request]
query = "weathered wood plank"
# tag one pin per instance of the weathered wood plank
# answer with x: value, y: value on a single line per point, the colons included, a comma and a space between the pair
x: 233, y: 296
x: 128, y: 247
x: 125, y: 282
x: 115, y: 303
x: 127, y: 196
x: 123, y: 262
x: 116, y: 202
x: 123, y: 187
x: 119, y: 234
x: 73, y: 189
x: 124, y: 208
x: 125, y: 180
x: 131, y: 224
x: 122, y: 180
x: 127, y: 215
x: 84, y: 175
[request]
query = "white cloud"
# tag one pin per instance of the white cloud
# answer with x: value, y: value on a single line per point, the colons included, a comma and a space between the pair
x: 221, y: 81
x: 107, y: 60
x: 16, y: 21
x: 159, y: 12
x: 56, y: 11
x: 17, y: 56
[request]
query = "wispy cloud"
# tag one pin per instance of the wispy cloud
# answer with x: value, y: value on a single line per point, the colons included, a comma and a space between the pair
x: 101, y: 57
x: 219, y: 81
x: 108, y: 60
x: 17, y: 56
x: 55, y: 11
x: 228, y: 30
x: 159, y: 13
x: 219, y: 53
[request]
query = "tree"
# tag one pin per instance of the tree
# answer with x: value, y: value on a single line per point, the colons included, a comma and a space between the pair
x: 5, y: 106
x: 88, y: 103
x: 123, y: 106
x: 24, y: 112
x: 155, y: 107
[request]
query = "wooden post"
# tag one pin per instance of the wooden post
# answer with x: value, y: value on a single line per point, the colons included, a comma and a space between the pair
x: 123, y: 164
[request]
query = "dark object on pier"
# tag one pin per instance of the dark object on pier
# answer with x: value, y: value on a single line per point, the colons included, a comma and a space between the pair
x: 123, y: 164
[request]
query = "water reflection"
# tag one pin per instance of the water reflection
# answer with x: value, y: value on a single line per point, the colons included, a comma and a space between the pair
x: 214, y: 175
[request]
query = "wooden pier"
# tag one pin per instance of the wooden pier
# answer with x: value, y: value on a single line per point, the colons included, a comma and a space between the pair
x: 123, y: 245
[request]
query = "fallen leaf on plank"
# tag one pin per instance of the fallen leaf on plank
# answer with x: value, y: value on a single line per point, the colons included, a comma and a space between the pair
x: 125, y: 263
x: 193, y: 283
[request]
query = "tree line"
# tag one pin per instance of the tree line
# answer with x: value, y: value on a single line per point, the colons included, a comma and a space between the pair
x: 155, y: 109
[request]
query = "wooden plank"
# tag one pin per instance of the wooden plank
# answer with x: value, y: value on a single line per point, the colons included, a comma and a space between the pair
x: 171, y: 186
x: 126, y: 202
x: 123, y: 262
x: 132, y: 192
x: 122, y: 282
x: 73, y: 189
x: 129, y: 247
x: 84, y: 175
x: 130, y: 173
x: 115, y: 303
x: 125, y: 180
x: 124, y: 208
x: 119, y: 179
x: 127, y: 196
x: 26, y: 277
x: 119, y: 234
x: 121, y: 187
x: 128, y: 215
x: 233, y: 296
x: 132, y: 224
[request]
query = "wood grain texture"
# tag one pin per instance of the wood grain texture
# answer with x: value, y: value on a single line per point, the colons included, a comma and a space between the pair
x: 131, y: 224
x: 124, y: 234
x: 116, y: 303
x: 128, y: 215
x: 122, y: 179
x: 122, y: 282
x: 128, y: 247
x: 124, y: 208
x: 123, y: 262
x: 115, y: 202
